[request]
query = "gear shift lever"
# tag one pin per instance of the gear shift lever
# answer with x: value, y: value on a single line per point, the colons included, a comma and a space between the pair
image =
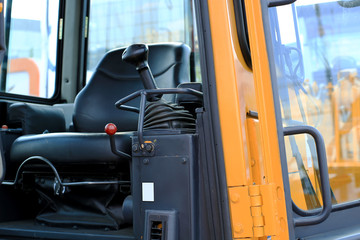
x: 137, y: 55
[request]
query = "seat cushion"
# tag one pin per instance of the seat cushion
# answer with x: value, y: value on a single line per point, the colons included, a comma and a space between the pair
x: 114, y: 79
x: 70, y: 148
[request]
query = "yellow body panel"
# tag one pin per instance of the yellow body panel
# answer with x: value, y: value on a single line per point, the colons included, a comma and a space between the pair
x: 266, y: 111
x: 242, y: 137
x: 231, y: 103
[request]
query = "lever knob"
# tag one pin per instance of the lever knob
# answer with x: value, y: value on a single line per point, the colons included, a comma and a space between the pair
x: 137, y: 55
x: 110, y: 129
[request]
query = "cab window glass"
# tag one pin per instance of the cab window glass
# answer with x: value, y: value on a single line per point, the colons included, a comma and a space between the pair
x: 119, y: 23
x: 30, y: 59
x: 317, y: 64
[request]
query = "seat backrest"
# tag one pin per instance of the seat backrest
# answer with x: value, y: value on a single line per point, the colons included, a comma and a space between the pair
x: 114, y: 79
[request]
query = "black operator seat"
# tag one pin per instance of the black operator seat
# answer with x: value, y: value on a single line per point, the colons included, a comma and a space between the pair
x: 112, y: 80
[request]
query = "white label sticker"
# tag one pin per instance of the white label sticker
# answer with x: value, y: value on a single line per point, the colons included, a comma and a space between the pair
x: 148, y: 192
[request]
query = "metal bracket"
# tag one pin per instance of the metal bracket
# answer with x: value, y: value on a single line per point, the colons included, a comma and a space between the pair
x: 59, y: 189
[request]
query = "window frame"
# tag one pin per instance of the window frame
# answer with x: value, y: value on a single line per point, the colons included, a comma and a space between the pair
x: 59, y: 53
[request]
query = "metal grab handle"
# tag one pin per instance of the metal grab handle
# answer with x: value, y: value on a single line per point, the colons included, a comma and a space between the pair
x: 324, y: 175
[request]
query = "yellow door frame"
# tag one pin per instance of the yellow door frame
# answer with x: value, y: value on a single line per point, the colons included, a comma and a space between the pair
x: 262, y: 212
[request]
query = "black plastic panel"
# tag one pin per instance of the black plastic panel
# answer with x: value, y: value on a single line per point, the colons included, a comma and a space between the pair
x: 172, y: 179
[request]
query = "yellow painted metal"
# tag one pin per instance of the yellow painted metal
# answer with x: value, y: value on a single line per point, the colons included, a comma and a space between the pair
x: 256, y: 161
x: 258, y: 218
x: 247, y: 143
x: 232, y: 108
x: 256, y: 211
x: 273, y: 224
x: 266, y: 111
x: 240, y: 203
x: 244, y: 76
x: 265, y: 216
x: 268, y: 192
x: 235, y: 89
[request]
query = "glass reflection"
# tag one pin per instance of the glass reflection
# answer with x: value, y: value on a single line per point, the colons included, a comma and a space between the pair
x: 317, y: 63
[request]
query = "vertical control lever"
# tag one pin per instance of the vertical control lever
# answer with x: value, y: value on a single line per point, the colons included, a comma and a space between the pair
x: 137, y: 55
x: 110, y: 130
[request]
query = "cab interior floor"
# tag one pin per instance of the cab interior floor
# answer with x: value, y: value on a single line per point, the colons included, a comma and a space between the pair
x: 28, y: 229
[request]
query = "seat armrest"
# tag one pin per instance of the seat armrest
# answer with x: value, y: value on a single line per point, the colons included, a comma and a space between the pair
x: 36, y: 118
x: 68, y: 109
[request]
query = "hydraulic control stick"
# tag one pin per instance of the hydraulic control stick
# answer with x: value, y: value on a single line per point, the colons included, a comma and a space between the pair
x: 158, y: 114
x: 154, y: 114
x: 137, y: 55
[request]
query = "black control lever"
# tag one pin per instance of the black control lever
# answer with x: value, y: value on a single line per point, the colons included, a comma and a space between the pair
x: 110, y: 130
x: 137, y: 55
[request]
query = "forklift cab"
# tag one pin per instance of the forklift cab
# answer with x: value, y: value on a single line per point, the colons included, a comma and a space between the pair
x: 169, y: 119
x: 73, y: 157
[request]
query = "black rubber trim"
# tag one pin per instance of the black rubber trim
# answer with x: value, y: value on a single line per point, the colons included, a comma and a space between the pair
x: 276, y: 3
x: 220, y: 220
x: 242, y: 31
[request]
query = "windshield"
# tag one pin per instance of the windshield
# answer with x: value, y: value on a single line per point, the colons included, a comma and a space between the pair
x: 152, y: 22
x: 317, y: 59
